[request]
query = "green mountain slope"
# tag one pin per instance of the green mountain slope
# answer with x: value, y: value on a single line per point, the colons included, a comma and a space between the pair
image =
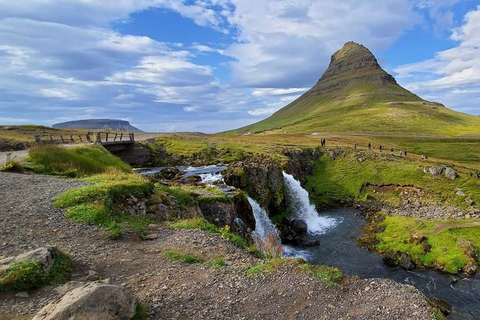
x: 355, y: 95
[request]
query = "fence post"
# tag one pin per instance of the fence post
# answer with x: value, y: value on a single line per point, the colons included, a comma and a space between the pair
x: 88, y: 137
x: 132, y: 137
x: 38, y: 140
x: 7, y: 158
x: 98, y: 137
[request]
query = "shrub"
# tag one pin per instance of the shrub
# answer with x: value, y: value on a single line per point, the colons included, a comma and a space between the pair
x: 12, y: 166
x: 183, y: 257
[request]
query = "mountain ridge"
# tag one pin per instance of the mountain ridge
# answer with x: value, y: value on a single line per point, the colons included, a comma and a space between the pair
x: 355, y: 95
x: 95, y: 124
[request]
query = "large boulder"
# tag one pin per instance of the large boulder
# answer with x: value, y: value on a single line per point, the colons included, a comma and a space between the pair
x: 95, y: 300
x: 436, y: 171
x: 450, y: 173
x: 299, y: 226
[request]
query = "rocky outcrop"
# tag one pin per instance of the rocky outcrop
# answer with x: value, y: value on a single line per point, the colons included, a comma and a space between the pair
x: 262, y: 179
x: 302, y: 163
x: 450, y: 173
x: 95, y: 300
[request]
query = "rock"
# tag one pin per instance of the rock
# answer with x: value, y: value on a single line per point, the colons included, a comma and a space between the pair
x: 311, y: 243
x: 470, y: 201
x: 450, y: 173
x: 435, y: 171
x: 69, y: 286
x: 426, y: 248
x: 460, y: 193
x: 440, y: 304
x: 405, y: 262
x: 389, y: 259
x: 299, y: 226
x: 152, y: 236
x: 416, y: 238
x: 22, y: 294
x: 471, y: 253
x: 45, y: 257
x: 92, y: 301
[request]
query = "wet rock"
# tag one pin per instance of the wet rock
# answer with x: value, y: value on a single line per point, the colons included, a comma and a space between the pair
x: 471, y: 253
x: 405, y: 262
x: 389, y: 259
x: 440, y: 304
x: 311, y: 243
x: 300, y: 227
x: 92, y: 301
x: 450, y: 173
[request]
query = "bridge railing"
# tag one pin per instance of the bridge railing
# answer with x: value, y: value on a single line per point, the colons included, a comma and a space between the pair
x: 63, y: 138
x: 112, y: 137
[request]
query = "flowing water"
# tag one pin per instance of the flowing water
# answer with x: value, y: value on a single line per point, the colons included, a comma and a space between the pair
x: 338, y: 231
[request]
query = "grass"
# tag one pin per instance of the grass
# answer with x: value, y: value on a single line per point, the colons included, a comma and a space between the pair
x: 345, y: 178
x: 202, y: 224
x: 75, y: 162
x: 217, y: 263
x: 12, y: 166
x: 329, y: 275
x: 183, y: 257
x: 28, y: 275
x: 446, y: 251
x: 141, y: 312
x: 97, y: 203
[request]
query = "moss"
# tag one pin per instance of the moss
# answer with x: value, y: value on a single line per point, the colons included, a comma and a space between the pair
x: 58, y: 273
x: 184, y: 198
x: 183, y: 257
x: 329, y: 275
x: 266, y: 267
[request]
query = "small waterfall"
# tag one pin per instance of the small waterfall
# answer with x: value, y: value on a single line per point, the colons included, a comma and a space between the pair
x: 304, y: 210
x: 263, y: 225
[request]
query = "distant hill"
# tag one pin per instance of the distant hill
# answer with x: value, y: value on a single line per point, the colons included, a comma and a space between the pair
x: 98, y: 124
x: 355, y: 95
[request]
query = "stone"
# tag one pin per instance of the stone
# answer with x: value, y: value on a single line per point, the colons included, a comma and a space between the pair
x: 69, y: 286
x: 405, y: 262
x: 450, y: 173
x: 416, y: 238
x: 22, y: 294
x: 152, y: 236
x: 45, y: 256
x: 389, y: 259
x: 299, y: 226
x: 440, y: 304
x: 470, y: 201
x: 94, y: 300
x: 460, y: 193
x: 435, y: 171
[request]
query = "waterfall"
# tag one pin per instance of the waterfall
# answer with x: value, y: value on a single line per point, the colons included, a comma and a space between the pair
x: 263, y: 225
x: 304, y: 210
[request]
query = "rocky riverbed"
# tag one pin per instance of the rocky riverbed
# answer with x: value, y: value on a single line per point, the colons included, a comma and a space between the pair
x: 172, y: 289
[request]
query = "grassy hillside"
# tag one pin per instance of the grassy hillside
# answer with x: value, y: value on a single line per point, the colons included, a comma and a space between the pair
x: 355, y: 95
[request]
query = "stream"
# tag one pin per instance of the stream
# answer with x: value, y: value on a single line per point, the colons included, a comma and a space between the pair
x: 338, y: 231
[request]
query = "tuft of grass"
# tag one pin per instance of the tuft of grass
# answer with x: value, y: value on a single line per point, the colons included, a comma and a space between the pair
x: 75, y: 162
x: 28, y: 275
x: 141, y: 312
x: 184, y: 197
x: 268, y: 266
x: 98, y: 203
x: 21, y: 276
x: 217, y: 263
x: 202, y: 224
x: 329, y: 275
x: 12, y: 166
x: 446, y: 251
x: 183, y: 257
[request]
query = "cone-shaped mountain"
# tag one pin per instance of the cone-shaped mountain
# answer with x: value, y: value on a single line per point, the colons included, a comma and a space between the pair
x: 355, y: 95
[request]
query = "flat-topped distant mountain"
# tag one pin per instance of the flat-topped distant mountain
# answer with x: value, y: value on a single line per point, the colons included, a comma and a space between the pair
x: 355, y: 95
x: 111, y: 124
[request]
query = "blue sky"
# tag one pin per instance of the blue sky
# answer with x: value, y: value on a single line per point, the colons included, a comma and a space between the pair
x: 213, y: 65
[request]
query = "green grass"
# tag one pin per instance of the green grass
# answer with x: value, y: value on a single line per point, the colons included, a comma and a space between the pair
x: 141, y: 312
x: 28, y: 275
x: 97, y: 203
x: 183, y: 257
x: 345, y: 178
x: 75, y: 162
x: 329, y: 275
x: 202, y: 224
x: 217, y: 263
x: 12, y: 166
x: 446, y: 252
x: 184, y: 197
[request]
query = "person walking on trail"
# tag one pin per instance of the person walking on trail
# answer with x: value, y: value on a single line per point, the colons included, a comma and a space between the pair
x: 392, y: 151
x: 405, y: 153
x: 380, y: 148
x: 369, y: 146
x: 355, y: 145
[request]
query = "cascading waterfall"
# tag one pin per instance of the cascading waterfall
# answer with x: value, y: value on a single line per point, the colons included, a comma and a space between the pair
x: 263, y: 225
x: 304, y: 210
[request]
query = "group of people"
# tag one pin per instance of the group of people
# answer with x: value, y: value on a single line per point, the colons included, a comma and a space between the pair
x: 403, y: 153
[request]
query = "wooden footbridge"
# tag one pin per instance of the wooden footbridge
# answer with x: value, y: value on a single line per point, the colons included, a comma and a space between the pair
x: 103, y: 138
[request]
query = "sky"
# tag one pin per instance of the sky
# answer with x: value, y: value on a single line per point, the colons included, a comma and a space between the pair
x: 214, y: 65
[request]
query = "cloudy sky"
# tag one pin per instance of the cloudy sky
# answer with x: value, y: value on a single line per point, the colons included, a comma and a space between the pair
x: 212, y: 65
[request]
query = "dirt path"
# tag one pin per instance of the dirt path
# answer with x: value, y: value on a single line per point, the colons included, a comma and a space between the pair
x: 444, y: 226
x: 173, y: 290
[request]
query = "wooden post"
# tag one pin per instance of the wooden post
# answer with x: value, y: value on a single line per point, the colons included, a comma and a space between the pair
x: 61, y: 137
x: 88, y: 137
x: 132, y: 137
x: 80, y: 137
x: 51, y: 139
x: 121, y: 136
x: 38, y: 140
x: 7, y: 158
x: 98, y: 137
x: 115, y: 138
x: 106, y: 138
x: 71, y: 137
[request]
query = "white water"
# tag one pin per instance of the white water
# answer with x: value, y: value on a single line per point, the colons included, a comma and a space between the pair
x: 304, y: 210
x: 263, y: 224
x: 210, y: 178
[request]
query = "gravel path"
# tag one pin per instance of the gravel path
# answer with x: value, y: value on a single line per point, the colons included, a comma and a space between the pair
x: 174, y: 290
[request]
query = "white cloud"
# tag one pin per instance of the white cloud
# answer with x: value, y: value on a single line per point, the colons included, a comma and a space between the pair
x: 453, y: 75
x: 262, y: 111
x: 277, y: 92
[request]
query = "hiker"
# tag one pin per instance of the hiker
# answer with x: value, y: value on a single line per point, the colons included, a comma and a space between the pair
x: 380, y: 148
x: 423, y: 157
x: 405, y: 153
x: 392, y: 151
x: 369, y: 146
x: 426, y: 158
x: 355, y: 145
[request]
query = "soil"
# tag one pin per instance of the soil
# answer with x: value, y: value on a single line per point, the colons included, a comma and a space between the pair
x: 172, y: 289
